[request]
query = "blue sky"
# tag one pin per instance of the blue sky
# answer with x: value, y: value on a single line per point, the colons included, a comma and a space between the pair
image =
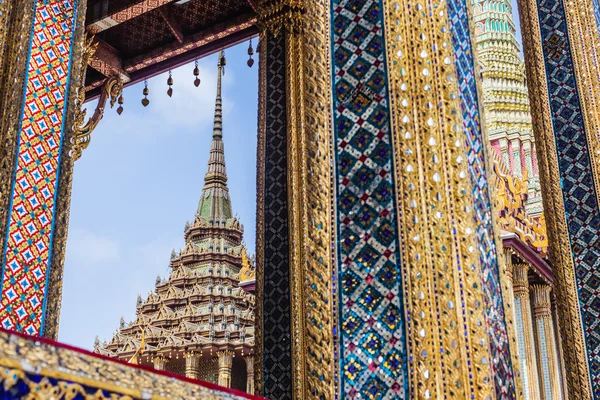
x: 138, y: 182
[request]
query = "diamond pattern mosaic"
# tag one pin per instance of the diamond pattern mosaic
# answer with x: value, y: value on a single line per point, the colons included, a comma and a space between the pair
x: 490, y: 275
x: 373, y: 355
x: 277, y: 349
x: 26, y: 256
x: 579, y: 194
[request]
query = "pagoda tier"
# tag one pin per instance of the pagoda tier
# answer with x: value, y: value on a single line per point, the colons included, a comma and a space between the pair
x: 199, y: 322
x: 505, y: 96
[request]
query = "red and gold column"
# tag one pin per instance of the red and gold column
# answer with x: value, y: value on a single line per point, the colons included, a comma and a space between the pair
x: 45, y: 47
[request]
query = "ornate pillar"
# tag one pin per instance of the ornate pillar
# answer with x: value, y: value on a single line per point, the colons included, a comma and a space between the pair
x: 561, y: 46
x: 294, y: 353
x: 192, y: 362
x: 36, y: 183
x: 525, y: 339
x: 249, y: 374
x: 405, y: 152
x: 448, y: 239
x: 225, y: 363
x: 412, y: 208
x: 546, y: 343
x: 160, y: 362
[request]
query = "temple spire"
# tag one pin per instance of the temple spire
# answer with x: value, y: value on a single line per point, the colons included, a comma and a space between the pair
x: 218, y: 121
x: 215, y: 204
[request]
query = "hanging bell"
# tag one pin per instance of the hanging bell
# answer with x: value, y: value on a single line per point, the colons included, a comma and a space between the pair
x: 121, y: 101
x: 145, y: 92
x: 170, y: 83
x: 196, y: 73
x: 250, y: 53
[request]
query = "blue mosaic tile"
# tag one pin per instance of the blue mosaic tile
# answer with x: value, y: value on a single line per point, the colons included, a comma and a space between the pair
x: 596, y: 4
x: 372, y: 351
x: 495, y: 317
x: 575, y: 167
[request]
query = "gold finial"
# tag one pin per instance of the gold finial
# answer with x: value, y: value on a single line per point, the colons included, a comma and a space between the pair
x: 138, y: 353
x: 247, y: 272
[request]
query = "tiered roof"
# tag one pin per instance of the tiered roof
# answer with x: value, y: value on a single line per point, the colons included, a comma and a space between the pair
x: 505, y: 96
x: 200, y: 308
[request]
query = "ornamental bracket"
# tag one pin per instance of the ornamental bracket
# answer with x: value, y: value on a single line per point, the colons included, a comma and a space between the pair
x: 113, y: 87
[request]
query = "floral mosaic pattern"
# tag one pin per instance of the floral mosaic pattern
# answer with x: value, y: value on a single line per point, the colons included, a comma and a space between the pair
x: 26, y: 256
x: 372, y: 351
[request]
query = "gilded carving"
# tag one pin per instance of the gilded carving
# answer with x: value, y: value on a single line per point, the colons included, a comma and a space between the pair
x: 511, y: 194
x: 75, y: 370
x: 112, y: 88
x: 309, y: 157
x: 260, y: 204
x: 275, y: 15
x: 559, y: 246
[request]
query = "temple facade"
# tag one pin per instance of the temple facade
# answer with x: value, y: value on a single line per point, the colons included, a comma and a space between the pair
x: 199, y: 322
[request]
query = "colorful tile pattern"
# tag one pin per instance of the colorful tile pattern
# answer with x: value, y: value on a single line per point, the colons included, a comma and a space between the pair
x: 490, y: 274
x: 28, y: 249
x: 545, y: 370
x: 520, y: 331
x: 596, y: 4
x: 372, y: 342
x: 277, y: 350
x: 574, y: 164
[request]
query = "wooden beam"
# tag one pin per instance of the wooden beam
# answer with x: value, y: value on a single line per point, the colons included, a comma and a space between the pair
x: 107, y: 61
x: 171, y: 22
x: 104, y: 21
x: 172, y: 58
x: 253, y: 4
x: 219, y: 31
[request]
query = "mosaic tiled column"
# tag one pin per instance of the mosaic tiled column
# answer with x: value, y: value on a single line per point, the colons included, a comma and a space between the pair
x: 225, y: 363
x: 546, y: 342
x: 294, y: 351
x: 192, y: 364
x: 35, y: 210
x: 561, y: 48
x: 525, y: 339
x: 249, y: 374
x: 406, y: 174
x: 447, y: 243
